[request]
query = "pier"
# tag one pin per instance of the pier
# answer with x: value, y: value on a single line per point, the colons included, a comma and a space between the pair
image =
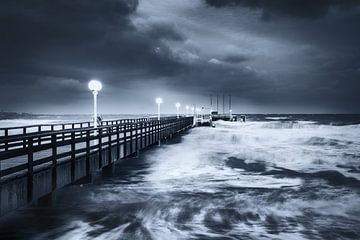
x: 36, y: 160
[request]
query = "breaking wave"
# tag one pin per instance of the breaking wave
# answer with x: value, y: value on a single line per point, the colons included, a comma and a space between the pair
x: 253, y: 180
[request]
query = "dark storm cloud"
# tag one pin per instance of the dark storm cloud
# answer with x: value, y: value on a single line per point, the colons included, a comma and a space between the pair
x: 49, y: 37
x: 47, y: 43
x: 307, y: 55
x: 236, y: 59
x: 293, y: 8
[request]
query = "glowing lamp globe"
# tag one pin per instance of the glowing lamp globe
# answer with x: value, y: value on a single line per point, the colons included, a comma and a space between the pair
x: 177, y: 105
x: 158, y: 100
x: 95, y: 85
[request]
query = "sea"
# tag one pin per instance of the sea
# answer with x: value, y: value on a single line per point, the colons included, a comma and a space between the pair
x: 288, y: 176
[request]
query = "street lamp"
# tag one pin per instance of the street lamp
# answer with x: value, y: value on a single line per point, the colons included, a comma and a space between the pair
x: 187, y: 109
x: 95, y: 86
x: 197, y: 112
x: 177, y: 105
x: 159, y: 101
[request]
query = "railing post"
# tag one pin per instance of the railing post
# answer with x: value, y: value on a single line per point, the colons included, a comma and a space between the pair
x: 6, y: 134
x: 39, y: 139
x: 152, y: 133
x: 24, y: 141
x: 54, y: 162
x: 125, y: 148
x: 117, y: 142
x: 141, y: 135
x: 30, y: 173
x: 63, y: 135
x: 100, y: 147
x: 87, y: 152
x: 131, y: 139
x: 159, y: 130
x: 136, y: 137
x: 109, y: 145
x: 72, y: 156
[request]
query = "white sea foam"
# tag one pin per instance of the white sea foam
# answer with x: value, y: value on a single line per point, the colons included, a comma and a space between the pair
x: 254, y: 180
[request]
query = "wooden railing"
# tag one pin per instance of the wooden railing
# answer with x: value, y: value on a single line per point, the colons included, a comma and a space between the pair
x: 8, y: 134
x: 35, y: 164
x: 77, y: 141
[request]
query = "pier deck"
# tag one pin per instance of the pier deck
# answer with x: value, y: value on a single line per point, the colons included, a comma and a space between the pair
x: 35, y: 163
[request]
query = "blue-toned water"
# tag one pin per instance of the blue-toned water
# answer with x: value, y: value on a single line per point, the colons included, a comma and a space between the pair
x: 272, y: 177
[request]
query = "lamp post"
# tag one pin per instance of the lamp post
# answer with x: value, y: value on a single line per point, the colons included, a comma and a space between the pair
x: 159, y: 101
x: 187, y: 110
x: 177, y: 105
x: 95, y: 87
x: 197, y: 112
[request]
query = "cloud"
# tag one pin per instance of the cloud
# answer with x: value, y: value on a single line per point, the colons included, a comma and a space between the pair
x: 178, y: 50
x: 281, y: 8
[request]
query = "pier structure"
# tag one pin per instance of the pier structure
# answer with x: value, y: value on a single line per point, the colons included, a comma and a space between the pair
x: 36, y: 160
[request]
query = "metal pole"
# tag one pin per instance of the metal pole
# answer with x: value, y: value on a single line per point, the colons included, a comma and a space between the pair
x: 229, y: 102
x: 177, y: 112
x: 95, y: 108
x: 159, y: 111
x: 223, y: 103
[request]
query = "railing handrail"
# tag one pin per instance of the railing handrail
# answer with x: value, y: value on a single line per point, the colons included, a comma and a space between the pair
x: 42, y: 125
x: 70, y: 124
x: 45, y: 140
x: 27, y: 136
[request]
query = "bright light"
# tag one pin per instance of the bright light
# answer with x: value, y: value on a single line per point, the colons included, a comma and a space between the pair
x: 177, y: 105
x: 159, y: 100
x: 187, y: 107
x: 95, y: 85
x: 192, y: 108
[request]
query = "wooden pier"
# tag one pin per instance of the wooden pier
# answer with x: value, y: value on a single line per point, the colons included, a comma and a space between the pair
x: 36, y: 160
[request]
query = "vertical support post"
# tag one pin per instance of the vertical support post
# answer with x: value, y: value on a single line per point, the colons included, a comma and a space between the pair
x: 6, y: 140
x: 54, y: 161
x: 30, y: 183
x: 24, y: 141
x: 72, y: 156
x: 87, y: 153
x: 159, y: 132
x: 223, y: 103
x: 136, y: 138
x: 63, y: 135
x: 125, y: 142
x: 109, y: 145
x: 95, y: 93
x: 141, y: 135
x: 39, y: 138
x: 100, y: 147
x: 131, y: 139
x: 117, y: 142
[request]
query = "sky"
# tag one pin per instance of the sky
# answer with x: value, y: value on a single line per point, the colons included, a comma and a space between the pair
x: 279, y: 56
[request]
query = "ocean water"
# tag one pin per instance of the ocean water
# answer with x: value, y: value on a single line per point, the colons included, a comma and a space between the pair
x: 272, y: 177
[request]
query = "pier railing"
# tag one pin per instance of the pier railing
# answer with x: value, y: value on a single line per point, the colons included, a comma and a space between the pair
x: 34, y: 164
x: 9, y: 133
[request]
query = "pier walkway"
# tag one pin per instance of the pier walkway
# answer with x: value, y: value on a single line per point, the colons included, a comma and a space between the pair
x: 36, y: 160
